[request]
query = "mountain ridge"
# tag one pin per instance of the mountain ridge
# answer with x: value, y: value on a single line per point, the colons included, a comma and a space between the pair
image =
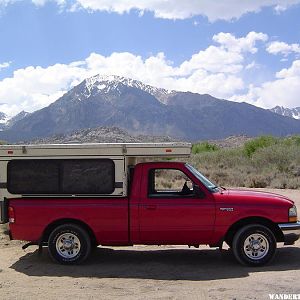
x: 114, y: 101
x: 287, y: 112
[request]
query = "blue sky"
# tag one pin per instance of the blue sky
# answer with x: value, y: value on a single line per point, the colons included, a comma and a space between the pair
x: 238, y: 50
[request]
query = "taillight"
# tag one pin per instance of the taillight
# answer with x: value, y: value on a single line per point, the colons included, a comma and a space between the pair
x: 11, y: 215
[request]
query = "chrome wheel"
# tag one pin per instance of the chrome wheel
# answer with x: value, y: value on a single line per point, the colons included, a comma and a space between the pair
x: 68, y: 245
x: 256, y: 246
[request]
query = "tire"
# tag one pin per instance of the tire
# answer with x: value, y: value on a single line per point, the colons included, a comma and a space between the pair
x: 254, y: 245
x: 69, y: 244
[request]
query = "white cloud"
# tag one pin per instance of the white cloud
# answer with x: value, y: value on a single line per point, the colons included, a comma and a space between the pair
x: 284, y: 90
x: 293, y: 71
x: 4, y: 65
x: 35, y: 87
x: 243, y: 44
x: 252, y: 65
x: 283, y: 48
x: 213, y: 59
x: 216, y: 70
x: 173, y: 9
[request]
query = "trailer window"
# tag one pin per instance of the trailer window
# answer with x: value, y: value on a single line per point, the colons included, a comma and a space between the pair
x: 73, y: 176
x: 33, y: 176
x: 88, y: 176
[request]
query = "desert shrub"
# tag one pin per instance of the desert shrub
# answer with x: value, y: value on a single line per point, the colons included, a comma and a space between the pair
x: 223, y: 158
x: 256, y: 181
x: 223, y: 167
x: 204, y: 147
x: 293, y: 183
x: 286, y: 159
x: 278, y: 183
x: 292, y: 140
x: 273, y: 156
x: 261, y: 142
x: 268, y: 162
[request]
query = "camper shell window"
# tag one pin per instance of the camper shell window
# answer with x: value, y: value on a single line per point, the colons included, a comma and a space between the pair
x: 61, y: 176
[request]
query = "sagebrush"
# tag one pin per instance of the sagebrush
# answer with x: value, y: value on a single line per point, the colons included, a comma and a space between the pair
x: 262, y: 162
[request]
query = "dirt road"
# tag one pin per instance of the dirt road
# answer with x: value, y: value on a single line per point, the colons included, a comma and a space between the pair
x: 145, y: 272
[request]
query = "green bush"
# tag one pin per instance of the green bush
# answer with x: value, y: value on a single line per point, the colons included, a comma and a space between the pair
x: 262, y: 162
x: 204, y: 147
x: 292, y: 140
x: 260, y: 142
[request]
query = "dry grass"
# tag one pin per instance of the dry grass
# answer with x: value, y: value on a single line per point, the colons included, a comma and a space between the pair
x: 270, y: 162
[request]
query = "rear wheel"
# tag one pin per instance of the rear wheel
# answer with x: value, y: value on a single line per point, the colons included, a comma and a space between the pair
x: 69, y: 244
x: 254, y: 245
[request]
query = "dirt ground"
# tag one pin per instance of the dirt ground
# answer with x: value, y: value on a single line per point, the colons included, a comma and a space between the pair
x: 144, y: 272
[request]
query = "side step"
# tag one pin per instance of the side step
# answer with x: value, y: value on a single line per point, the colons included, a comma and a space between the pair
x: 35, y: 244
x: 29, y: 244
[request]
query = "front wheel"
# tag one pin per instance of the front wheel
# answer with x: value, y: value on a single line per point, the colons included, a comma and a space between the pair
x: 254, y: 245
x: 69, y: 244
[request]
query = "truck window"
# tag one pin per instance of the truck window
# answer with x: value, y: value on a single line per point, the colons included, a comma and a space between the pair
x: 58, y: 176
x: 169, y: 182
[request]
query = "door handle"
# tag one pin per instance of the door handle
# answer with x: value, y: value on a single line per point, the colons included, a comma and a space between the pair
x: 150, y: 207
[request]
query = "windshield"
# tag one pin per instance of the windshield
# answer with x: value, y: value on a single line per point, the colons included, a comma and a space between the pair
x: 211, y: 186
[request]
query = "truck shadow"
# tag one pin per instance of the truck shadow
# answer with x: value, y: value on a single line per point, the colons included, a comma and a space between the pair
x: 170, y: 264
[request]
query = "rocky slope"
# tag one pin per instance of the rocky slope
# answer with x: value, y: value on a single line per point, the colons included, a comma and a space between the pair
x: 101, y: 135
x: 287, y: 112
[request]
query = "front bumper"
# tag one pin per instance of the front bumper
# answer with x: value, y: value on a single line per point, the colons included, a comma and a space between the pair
x: 291, y: 232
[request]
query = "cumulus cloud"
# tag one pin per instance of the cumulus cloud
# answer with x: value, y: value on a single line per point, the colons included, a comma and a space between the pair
x: 215, y: 70
x: 284, y: 90
x: 35, y: 87
x: 243, y: 44
x: 173, y: 9
x: 293, y: 71
x: 283, y: 48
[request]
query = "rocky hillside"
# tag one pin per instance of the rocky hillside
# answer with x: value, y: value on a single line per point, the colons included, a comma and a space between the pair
x: 100, y: 135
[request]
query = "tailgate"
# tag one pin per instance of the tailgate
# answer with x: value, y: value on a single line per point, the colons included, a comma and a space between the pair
x: 3, y: 211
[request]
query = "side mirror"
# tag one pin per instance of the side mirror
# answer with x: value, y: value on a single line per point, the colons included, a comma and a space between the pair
x: 198, y: 191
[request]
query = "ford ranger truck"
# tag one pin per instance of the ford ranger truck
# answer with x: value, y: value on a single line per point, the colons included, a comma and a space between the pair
x: 72, y: 204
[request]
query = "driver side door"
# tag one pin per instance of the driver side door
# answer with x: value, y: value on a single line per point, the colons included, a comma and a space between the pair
x: 169, y: 213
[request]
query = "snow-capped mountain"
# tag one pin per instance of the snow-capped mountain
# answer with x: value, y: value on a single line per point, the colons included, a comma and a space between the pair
x: 21, y: 115
x: 3, y: 120
x: 287, y: 112
x: 6, y: 122
x: 113, y: 101
x: 107, y: 83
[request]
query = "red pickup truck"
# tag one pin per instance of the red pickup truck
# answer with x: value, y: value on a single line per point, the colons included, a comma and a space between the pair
x: 167, y: 203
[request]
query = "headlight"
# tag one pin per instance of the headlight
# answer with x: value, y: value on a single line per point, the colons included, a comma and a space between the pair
x: 293, y: 214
